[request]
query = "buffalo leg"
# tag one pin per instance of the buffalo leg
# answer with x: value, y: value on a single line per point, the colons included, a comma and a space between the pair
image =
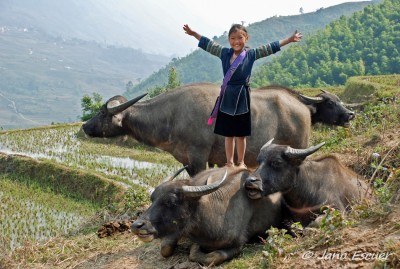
x: 196, y: 167
x: 212, y: 258
x: 168, y: 246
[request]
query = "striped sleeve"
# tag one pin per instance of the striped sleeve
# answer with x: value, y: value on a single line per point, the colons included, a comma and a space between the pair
x: 210, y: 46
x: 266, y: 50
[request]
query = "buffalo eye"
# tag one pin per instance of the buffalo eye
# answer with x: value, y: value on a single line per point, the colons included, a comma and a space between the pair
x: 172, y: 200
x: 331, y: 103
x: 276, y: 164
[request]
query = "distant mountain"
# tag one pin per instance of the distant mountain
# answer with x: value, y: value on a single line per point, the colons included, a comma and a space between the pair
x: 110, y: 22
x: 200, y: 66
x: 43, y: 78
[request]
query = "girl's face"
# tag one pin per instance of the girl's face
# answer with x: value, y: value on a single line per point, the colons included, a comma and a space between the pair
x: 238, y: 40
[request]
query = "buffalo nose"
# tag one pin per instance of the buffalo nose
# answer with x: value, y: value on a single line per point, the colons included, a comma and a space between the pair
x: 351, y: 115
x: 251, y: 179
x: 137, y: 225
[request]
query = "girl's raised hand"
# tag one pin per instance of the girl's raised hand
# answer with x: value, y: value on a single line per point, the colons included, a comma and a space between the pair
x: 296, y: 37
x: 187, y: 30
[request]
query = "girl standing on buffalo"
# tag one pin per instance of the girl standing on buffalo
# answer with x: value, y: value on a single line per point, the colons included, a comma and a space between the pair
x: 233, y: 107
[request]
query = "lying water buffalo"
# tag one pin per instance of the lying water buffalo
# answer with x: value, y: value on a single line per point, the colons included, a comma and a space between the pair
x: 177, y: 122
x: 306, y: 185
x: 214, y: 213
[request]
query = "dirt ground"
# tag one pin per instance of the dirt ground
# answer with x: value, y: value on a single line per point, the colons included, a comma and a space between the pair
x: 367, y: 245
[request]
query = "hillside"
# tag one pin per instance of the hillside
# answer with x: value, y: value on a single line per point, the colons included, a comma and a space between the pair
x: 365, y: 43
x: 80, y: 169
x: 202, y: 67
x: 43, y: 78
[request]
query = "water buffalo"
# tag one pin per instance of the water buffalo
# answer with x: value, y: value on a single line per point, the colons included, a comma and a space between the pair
x: 176, y: 122
x: 306, y: 185
x: 212, y: 210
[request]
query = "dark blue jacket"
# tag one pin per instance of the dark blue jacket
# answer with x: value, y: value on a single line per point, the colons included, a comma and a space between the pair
x: 234, y: 101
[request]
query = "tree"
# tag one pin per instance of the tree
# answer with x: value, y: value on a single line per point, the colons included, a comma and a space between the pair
x: 173, y: 80
x: 129, y: 86
x: 90, y: 105
x: 156, y: 91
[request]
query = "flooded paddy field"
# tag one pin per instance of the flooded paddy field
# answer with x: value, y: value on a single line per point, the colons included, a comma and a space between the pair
x: 35, y: 213
x: 135, y: 164
x: 28, y: 213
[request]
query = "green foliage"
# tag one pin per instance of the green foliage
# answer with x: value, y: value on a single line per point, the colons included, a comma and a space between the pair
x: 135, y: 198
x: 274, y: 245
x: 363, y: 44
x: 382, y: 191
x: 90, y: 105
x: 129, y: 86
x: 156, y: 91
x: 173, y: 82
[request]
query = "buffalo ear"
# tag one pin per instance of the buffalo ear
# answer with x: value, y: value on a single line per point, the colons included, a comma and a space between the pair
x: 117, y: 120
x: 267, y: 144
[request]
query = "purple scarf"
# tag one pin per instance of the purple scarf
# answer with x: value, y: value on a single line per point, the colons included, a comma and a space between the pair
x: 227, y: 77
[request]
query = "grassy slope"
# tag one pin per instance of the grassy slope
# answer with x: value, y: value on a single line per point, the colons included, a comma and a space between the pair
x: 372, y: 228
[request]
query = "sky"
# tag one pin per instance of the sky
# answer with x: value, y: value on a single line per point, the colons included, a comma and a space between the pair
x: 213, y: 17
x: 219, y: 15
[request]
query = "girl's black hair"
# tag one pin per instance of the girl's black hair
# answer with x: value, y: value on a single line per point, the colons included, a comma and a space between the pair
x: 237, y: 27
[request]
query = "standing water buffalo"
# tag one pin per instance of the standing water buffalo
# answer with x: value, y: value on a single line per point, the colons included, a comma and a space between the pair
x: 306, y: 185
x: 211, y: 209
x: 176, y: 122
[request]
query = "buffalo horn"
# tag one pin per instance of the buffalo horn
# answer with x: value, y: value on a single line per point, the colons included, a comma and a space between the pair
x: 316, y: 99
x: 198, y: 191
x: 119, y: 108
x: 324, y: 91
x: 302, y: 153
x: 267, y: 144
x: 175, y: 174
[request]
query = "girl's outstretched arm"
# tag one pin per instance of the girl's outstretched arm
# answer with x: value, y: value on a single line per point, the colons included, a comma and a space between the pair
x: 296, y: 37
x: 189, y: 31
